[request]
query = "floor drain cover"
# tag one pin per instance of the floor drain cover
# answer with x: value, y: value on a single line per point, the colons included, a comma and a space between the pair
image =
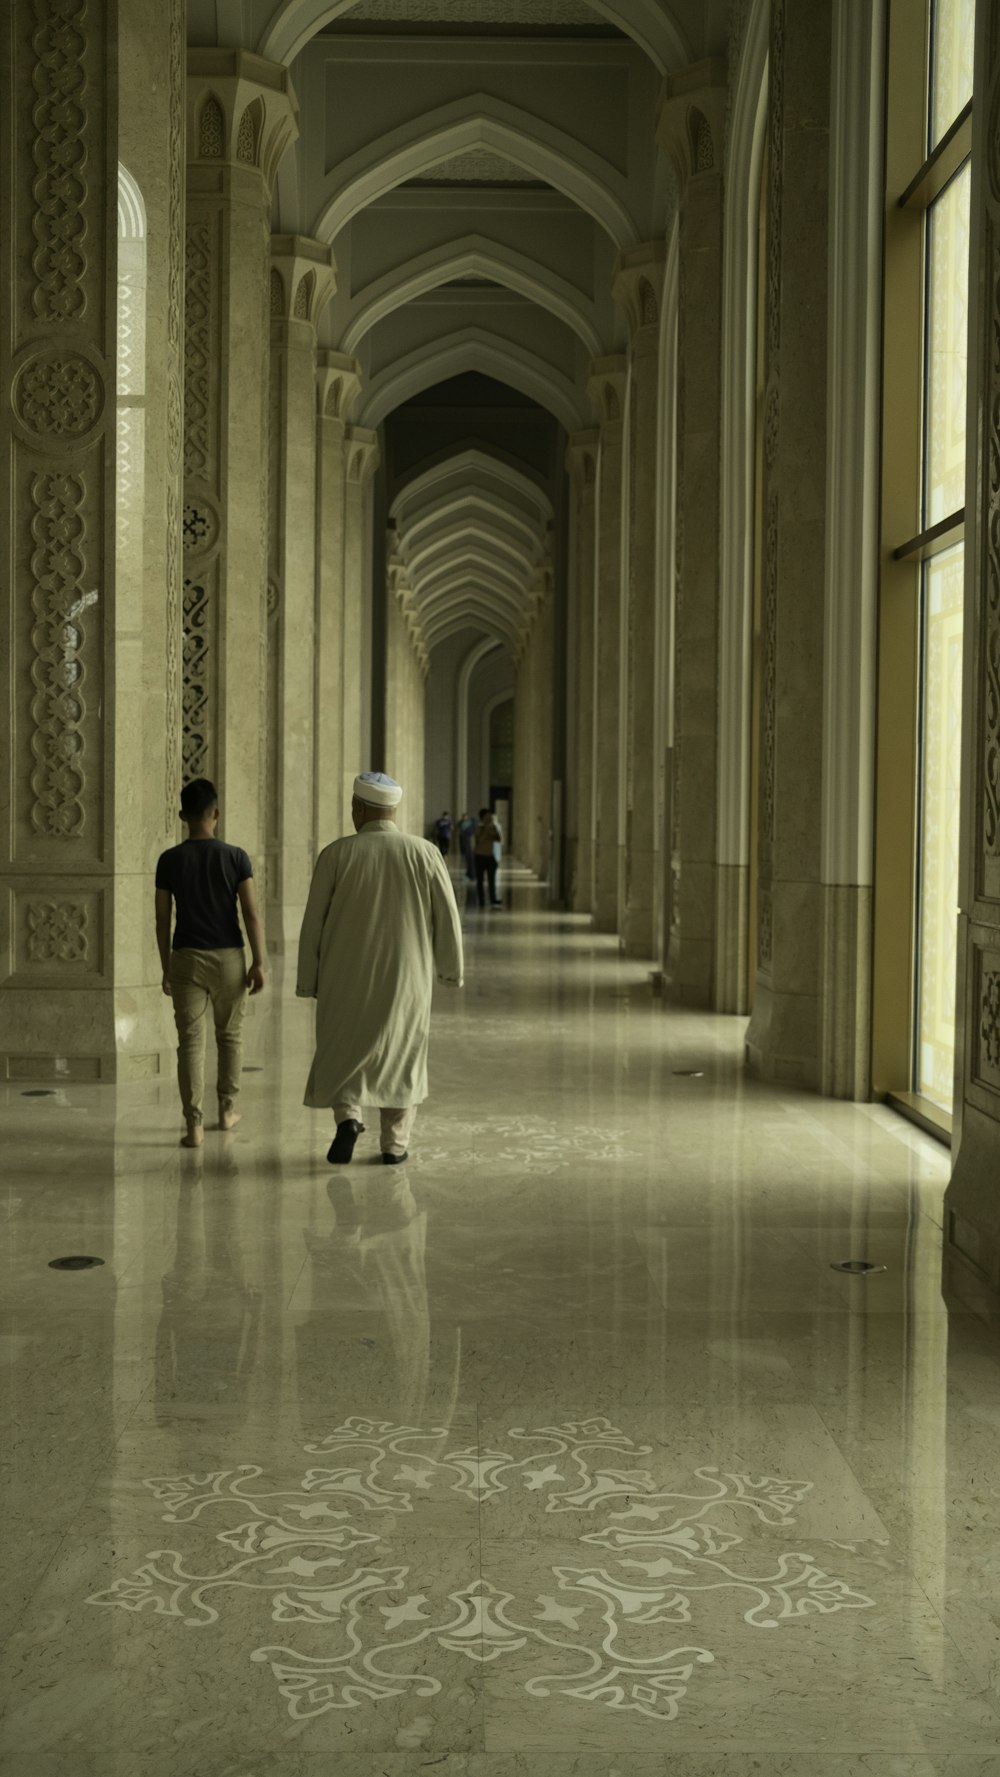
x: 689, y: 1073
x: 856, y: 1267
x: 74, y: 1262
x: 39, y: 1092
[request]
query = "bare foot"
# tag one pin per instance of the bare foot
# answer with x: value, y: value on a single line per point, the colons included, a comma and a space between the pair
x: 229, y: 1119
x: 194, y: 1137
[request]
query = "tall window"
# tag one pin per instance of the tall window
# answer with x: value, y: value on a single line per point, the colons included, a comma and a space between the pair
x: 929, y: 141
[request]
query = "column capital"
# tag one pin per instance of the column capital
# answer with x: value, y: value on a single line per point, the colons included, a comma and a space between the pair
x: 581, y: 457
x: 303, y: 278
x: 691, y: 118
x: 338, y: 384
x: 241, y: 110
x: 637, y: 285
x: 363, y: 455
x: 606, y: 388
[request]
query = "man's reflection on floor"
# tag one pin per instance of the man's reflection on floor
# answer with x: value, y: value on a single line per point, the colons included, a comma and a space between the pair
x: 369, y: 1325
x: 207, y: 1336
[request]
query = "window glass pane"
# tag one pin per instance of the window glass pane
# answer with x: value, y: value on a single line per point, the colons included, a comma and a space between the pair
x: 947, y: 344
x: 939, y: 800
x: 953, y: 25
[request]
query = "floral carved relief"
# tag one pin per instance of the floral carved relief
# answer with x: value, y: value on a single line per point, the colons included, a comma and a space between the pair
x: 362, y: 1618
x: 200, y: 526
x: 989, y: 1022
x: 58, y: 395
x: 212, y: 130
x: 58, y: 601
x: 197, y: 340
x: 59, y: 151
x: 247, y: 134
x: 199, y: 618
x: 56, y: 932
x: 302, y: 295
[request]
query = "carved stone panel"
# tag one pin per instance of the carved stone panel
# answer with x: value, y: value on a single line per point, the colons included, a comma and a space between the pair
x: 986, y: 1069
x: 200, y: 662
x: 175, y: 421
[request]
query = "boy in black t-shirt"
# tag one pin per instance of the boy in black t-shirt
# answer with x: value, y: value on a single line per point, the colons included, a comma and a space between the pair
x: 204, y: 878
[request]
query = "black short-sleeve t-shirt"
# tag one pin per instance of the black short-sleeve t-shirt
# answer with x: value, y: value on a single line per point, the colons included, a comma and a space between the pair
x: 203, y: 876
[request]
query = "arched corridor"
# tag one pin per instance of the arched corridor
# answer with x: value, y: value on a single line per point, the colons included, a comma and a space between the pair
x: 585, y: 413
x: 570, y: 1437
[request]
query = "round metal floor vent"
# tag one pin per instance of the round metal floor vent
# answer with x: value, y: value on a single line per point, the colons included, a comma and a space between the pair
x: 856, y: 1267
x: 74, y: 1262
x: 39, y: 1092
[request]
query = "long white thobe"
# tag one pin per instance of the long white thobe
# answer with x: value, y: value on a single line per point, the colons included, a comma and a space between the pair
x: 380, y: 921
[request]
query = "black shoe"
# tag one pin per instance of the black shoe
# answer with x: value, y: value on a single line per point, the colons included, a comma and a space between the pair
x: 341, y: 1148
x: 395, y: 1159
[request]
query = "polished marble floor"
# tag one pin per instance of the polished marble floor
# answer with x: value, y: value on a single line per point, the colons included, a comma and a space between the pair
x: 559, y: 1452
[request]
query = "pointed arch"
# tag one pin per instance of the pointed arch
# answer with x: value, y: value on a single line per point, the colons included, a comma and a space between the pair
x: 473, y: 256
x: 478, y: 121
x: 293, y: 22
x: 472, y: 348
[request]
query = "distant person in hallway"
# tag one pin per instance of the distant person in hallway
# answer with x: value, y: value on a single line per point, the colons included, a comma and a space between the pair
x: 467, y: 841
x: 442, y: 833
x: 203, y: 880
x: 487, y: 849
x: 380, y: 922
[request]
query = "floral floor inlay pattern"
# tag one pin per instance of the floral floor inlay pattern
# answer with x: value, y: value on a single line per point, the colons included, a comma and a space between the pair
x: 619, y: 1628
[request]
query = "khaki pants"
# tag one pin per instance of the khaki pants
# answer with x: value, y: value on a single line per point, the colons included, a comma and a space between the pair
x: 199, y: 979
x: 397, y: 1126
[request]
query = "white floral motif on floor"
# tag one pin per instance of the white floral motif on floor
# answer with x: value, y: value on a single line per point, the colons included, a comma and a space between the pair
x: 612, y: 1629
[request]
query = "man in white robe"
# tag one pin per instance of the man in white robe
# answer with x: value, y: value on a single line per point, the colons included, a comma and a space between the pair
x: 380, y: 922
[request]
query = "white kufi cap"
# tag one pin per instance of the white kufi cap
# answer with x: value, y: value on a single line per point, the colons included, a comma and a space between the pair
x: 377, y: 790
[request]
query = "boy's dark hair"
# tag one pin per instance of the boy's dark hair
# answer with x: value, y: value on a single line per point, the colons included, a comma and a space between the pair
x: 198, y: 798
x: 483, y: 812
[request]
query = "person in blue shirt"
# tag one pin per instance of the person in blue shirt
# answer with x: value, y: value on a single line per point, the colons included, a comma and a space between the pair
x: 205, y: 881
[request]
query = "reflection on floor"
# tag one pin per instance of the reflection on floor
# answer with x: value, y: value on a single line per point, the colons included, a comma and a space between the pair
x: 560, y: 1452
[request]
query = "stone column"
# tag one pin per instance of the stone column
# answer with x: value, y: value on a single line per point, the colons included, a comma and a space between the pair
x: 302, y: 282
x: 783, y: 1041
x: 606, y: 389
x: 241, y: 117
x: 638, y: 288
x: 362, y: 460
x: 542, y: 646
x: 338, y: 384
x: 90, y: 360
x: 972, y: 1203
x: 708, y: 907
x: 530, y: 708
x: 581, y: 461
x: 407, y: 666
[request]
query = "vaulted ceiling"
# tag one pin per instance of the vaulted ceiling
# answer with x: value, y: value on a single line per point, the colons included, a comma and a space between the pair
x: 477, y: 167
